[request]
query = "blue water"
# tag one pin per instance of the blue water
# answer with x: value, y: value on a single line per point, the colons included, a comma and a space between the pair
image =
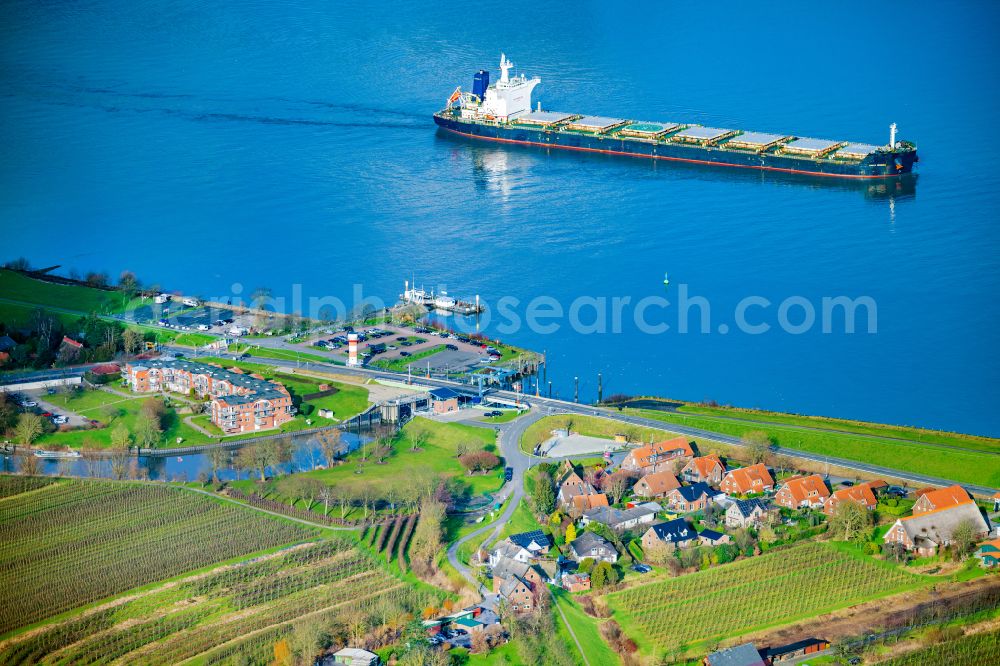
x: 208, y: 144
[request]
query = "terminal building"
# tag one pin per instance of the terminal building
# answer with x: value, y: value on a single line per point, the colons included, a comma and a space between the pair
x: 240, y: 402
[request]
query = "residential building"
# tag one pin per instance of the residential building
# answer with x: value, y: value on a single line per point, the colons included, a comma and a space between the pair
x: 689, y: 498
x: 443, y: 400
x: 593, y: 546
x: 571, y: 485
x: 747, y: 480
x: 707, y: 469
x: 523, y: 547
x: 747, y: 513
x: 619, y: 519
x: 657, y: 457
x: 240, y: 402
x: 861, y: 493
x: 675, y: 533
x: 940, y: 498
x: 802, y: 492
x: 516, y: 582
x: 576, y: 582
x: 655, y: 485
x: 988, y: 553
x: 349, y: 656
x: 584, y: 503
x: 925, y: 533
x: 739, y: 655
x: 713, y: 538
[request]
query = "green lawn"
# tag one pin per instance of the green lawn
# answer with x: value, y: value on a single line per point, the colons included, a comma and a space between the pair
x: 964, y: 466
x: 194, y: 339
x: 281, y: 354
x: 18, y: 287
x: 508, y: 415
x: 405, y: 468
x: 585, y: 628
x: 400, y: 364
x: 592, y: 426
x: 522, y: 520
x: 345, y: 403
x: 21, y: 316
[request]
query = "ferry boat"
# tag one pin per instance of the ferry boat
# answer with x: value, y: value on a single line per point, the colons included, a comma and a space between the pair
x: 56, y: 454
x: 502, y: 112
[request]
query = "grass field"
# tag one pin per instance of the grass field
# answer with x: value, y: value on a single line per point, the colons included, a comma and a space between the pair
x: 586, y: 630
x: 21, y: 316
x: 400, y: 364
x: 18, y: 287
x: 963, y: 465
x: 71, y: 543
x: 971, y: 650
x: 769, y: 590
x: 280, y: 354
x: 194, y: 339
x: 591, y: 426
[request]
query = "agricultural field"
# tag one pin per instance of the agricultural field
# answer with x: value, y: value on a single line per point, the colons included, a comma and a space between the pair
x: 392, y: 539
x: 71, y: 543
x: 772, y: 589
x: 971, y: 650
x: 237, y: 613
x: 969, y: 463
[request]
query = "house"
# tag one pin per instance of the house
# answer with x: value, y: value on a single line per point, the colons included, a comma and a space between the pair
x: 747, y: 480
x: 349, y: 656
x: 657, y: 457
x: 712, y: 538
x: 516, y: 582
x: 576, y: 582
x: 593, y: 546
x: 861, y: 493
x: 689, y: 498
x: 523, y: 547
x: 584, y: 503
x: 571, y: 485
x: 988, y: 553
x: 443, y: 400
x: 240, y: 402
x: 69, y: 349
x: 924, y: 533
x: 940, y: 498
x: 747, y: 513
x: 675, y: 533
x: 739, y: 655
x: 656, y: 484
x: 802, y: 491
x: 619, y: 519
x: 706, y: 469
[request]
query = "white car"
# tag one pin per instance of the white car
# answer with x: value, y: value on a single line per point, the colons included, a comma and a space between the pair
x: 59, y: 419
x: 203, y: 327
x: 29, y: 403
x: 191, y: 302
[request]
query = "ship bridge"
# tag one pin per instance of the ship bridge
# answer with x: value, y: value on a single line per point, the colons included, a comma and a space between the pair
x: 509, y: 97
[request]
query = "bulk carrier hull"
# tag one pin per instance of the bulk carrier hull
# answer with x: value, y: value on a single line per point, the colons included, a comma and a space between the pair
x: 882, y: 164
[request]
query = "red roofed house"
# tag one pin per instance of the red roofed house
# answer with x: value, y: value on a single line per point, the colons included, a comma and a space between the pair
x: 571, y: 485
x: 584, y: 503
x: 747, y: 480
x: 802, y: 491
x: 861, y: 493
x: 926, y: 532
x: 656, y: 457
x: 69, y: 349
x: 940, y: 499
x: 707, y: 469
x: 655, y: 485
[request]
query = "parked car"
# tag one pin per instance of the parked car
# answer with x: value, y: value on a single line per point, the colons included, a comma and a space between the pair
x: 203, y: 327
x: 404, y: 353
x: 406, y: 344
x: 451, y: 347
x: 29, y: 403
x: 508, y: 473
x: 59, y: 419
x: 896, y: 491
x: 47, y: 415
x: 641, y: 568
x: 191, y: 302
x: 847, y: 484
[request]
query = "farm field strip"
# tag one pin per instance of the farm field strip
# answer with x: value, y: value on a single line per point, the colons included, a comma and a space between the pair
x: 970, y: 650
x: 760, y: 591
x: 75, y: 542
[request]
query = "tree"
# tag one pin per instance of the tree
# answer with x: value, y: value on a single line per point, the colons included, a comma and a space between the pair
x: 28, y: 429
x: 277, y: 452
x: 895, y: 552
x: 119, y: 462
x: 29, y: 465
x: 418, y: 440
x: 570, y: 532
x: 542, y: 495
x: 218, y: 457
x: 963, y: 538
x: 120, y: 437
x: 586, y: 565
x: 259, y: 298
x: 382, y: 450
x: 603, y: 574
x: 479, y: 461
x: 128, y: 284
x: 330, y: 443
x: 570, y: 423
x: 327, y: 494
x: 147, y: 431
x: 758, y: 445
x: 851, y: 522
x: 254, y: 457
x: 616, y: 486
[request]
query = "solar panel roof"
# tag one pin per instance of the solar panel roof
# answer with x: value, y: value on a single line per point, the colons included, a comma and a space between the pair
x: 598, y: 122
x: 811, y: 145
x: 858, y: 149
x: 545, y: 117
x: 758, y: 138
x: 703, y: 133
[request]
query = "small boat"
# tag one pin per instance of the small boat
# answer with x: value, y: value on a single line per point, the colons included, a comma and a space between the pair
x: 444, y: 301
x: 56, y: 454
x: 179, y: 459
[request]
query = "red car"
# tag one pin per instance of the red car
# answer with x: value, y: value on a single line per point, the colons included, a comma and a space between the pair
x: 47, y: 414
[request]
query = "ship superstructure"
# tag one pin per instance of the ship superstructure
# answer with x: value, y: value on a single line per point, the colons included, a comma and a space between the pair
x: 502, y: 112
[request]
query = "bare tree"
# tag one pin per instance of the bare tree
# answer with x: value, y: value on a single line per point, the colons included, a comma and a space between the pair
x: 119, y: 462
x: 330, y: 442
x: 29, y: 464
x: 218, y: 457
x: 758, y: 445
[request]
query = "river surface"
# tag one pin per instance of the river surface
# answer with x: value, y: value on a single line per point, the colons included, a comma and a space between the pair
x: 218, y: 147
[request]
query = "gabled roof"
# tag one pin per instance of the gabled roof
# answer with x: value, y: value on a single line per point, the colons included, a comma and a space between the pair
x: 587, y: 541
x: 705, y: 464
x: 611, y: 516
x: 584, y: 503
x: 747, y: 507
x: 861, y: 493
x: 938, y: 525
x: 524, y: 539
x: 71, y: 342
x: 802, y: 488
x: 993, y: 545
x: 443, y: 393
x: 744, y: 477
x: 711, y: 535
x: 945, y: 497
x: 739, y: 655
x: 675, y: 531
x: 660, y: 482
x: 646, y: 455
x: 694, y: 492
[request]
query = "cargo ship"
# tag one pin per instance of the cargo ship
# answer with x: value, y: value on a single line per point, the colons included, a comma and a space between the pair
x: 502, y: 112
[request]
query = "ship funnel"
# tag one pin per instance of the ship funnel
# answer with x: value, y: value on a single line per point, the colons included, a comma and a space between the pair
x: 892, y: 135
x: 480, y: 82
